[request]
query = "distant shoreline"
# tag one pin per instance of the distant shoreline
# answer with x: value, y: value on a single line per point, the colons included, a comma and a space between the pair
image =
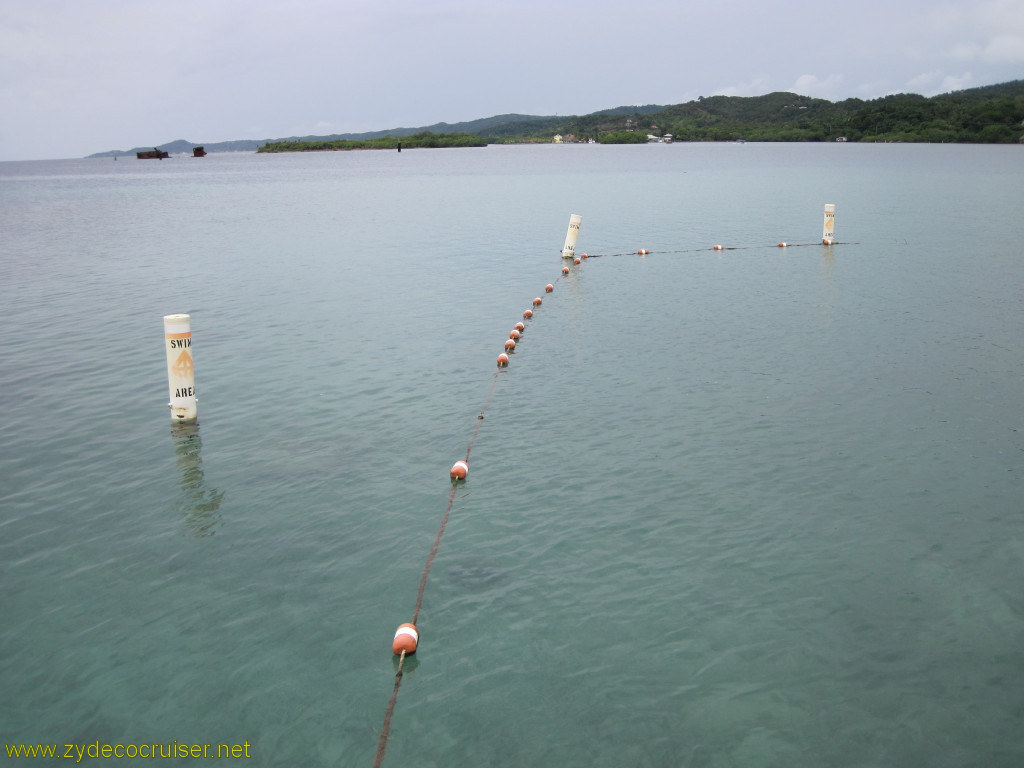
x: 992, y: 114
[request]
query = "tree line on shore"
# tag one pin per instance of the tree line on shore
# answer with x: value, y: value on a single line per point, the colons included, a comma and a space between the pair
x: 416, y: 140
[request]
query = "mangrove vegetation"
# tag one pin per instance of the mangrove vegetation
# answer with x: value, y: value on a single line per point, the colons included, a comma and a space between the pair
x: 415, y: 141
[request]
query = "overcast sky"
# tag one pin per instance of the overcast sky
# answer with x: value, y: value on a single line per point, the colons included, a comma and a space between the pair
x: 84, y: 76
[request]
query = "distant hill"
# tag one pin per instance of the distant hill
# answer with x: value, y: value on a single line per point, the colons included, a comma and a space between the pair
x: 992, y: 114
x: 181, y: 146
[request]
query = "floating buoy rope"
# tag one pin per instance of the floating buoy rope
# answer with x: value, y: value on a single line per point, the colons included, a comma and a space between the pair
x: 406, y: 640
x: 407, y: 635
x: 647, y: 252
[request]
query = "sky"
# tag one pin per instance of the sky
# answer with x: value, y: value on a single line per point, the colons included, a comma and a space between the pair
x: 85, y: 76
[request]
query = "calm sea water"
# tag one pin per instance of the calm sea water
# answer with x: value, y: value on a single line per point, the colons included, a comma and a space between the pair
x: 751, y: 507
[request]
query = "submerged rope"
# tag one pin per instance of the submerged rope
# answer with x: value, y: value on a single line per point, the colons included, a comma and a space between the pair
x: 382, y: 744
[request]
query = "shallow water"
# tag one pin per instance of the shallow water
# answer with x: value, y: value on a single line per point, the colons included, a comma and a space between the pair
x: 751, y: 507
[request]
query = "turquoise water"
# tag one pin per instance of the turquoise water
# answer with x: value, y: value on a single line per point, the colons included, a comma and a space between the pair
x: 751, y: 507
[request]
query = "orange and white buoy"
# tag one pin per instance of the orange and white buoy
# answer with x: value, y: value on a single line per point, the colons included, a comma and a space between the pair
x: 642, y: 252
x: 503, y: 360
x: 510, y: 345
x: 514, y: 334
x: 719, y: 248
x: 565, y: 270
x: 576, y: 260
x: 460, y: 469
x: 783, y: 245
x: 528, y: 313
x: 537, y: 302
x: 549, y: 288
x: 520, y: 326
x: 407, y: 637
x: 583, y: 255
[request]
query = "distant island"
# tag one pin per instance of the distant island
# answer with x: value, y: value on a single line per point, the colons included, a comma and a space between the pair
x: 992, y: 114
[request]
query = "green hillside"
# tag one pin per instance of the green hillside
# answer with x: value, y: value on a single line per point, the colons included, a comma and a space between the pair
x: 989, y: 115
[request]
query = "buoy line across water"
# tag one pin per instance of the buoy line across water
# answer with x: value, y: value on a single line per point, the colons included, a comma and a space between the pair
x: 407, y: 636
x: 718, y: 247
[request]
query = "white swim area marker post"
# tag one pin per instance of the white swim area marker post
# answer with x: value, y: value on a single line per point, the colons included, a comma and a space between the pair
x: 828, y: 231
x: 181, y: 370
x: 569, y: 249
